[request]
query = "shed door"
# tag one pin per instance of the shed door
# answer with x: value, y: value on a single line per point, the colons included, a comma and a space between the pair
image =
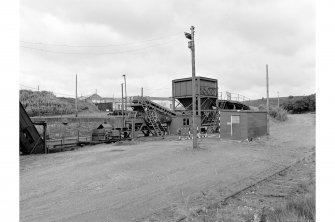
x: 235, y: 127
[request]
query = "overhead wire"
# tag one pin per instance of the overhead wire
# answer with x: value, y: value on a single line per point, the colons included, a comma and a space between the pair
x: 57, y: 93
x: 105, y: 45
x: 128, y: 50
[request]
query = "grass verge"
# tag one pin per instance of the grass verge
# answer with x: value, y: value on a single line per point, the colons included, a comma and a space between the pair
x: 299, y: 208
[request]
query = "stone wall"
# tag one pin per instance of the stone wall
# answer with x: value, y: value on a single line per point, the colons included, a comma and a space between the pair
x: 58, y: 127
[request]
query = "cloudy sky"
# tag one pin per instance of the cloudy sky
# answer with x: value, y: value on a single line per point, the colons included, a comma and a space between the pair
x: 102, y: 40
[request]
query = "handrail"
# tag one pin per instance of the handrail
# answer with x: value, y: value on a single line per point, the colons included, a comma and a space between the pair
x: 235, y: 97
x: 146, y: 100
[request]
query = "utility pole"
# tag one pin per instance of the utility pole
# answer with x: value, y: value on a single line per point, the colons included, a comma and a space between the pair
x: 113, y: 105
x: 76, y: 98
x: 122, y: 105
x: 142, y: 92
x: 39, y: 108
x: 125, y: 89
x: 191, y: 45
x: 267, y: 101
x: 278, y: 98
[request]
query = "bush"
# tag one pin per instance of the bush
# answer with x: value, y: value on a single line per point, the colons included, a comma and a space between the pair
x: 278, y: 113
x: 275, y: 112
x: 306, y: 104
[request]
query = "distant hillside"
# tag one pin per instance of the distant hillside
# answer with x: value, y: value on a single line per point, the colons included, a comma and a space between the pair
x: 273, y: 101
x: 293, y: 104
x: 45, y: 103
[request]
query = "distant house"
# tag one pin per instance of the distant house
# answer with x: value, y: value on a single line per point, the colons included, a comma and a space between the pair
x: 94, y: 98
x: 104, y: 102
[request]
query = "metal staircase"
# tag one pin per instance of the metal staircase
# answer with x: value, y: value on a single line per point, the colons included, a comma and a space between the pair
x: 151, y: 109
x: 214, y: 123
x: 148, y: 103
x: 154, y: 121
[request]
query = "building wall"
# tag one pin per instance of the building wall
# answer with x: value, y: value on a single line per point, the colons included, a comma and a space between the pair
x: 252, y: 124
x: 256, y: 124
x: 56, y: 129
x: 226, y: 127
x: 178, y: 123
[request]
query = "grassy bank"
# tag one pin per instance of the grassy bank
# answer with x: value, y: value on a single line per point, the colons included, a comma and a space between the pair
x: 45, y: 103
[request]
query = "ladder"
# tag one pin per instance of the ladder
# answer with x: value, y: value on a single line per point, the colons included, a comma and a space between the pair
x: 154, y: 122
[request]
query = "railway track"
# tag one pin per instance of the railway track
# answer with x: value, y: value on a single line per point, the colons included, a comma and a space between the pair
x: 280, y: 184
x: 278, y: 181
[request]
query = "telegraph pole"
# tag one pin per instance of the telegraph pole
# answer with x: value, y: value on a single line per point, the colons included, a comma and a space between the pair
x: 39, y: 108
x: 267, y: 101
x: 142, y: 92
x: 122, y: 105
x: 191, y: 45
x: 76, y: 99
x: 125, y: 88
x: 114, y: 105
x: 278, y: 98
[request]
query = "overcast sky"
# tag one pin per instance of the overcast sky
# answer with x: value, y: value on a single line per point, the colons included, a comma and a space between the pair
x: 102, y: 40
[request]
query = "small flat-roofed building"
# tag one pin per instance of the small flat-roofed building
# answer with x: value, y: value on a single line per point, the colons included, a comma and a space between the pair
x: 242, y: 124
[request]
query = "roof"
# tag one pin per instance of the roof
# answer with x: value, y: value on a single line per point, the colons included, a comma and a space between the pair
x: 93, y: 96
x: 196, y: 77
x: 104, y: 125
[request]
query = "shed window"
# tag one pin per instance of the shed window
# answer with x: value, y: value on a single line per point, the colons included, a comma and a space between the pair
x: 235, y: 119
x: 186, y: 122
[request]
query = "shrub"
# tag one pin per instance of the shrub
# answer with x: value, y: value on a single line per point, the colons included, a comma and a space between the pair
x: 278, y: 113
x: 275, y: 112
x: 305, y: 104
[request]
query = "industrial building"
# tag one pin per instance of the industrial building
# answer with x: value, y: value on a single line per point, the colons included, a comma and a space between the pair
x: 227, y: 117
x: 159, y: 120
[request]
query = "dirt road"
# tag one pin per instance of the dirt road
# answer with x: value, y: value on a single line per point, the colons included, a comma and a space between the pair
x: 162, y: 179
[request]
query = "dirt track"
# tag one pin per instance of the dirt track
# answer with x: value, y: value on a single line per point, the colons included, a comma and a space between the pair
x: 132, y: 182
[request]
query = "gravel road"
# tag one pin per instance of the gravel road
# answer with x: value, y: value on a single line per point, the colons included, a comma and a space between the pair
x: 136, y: 181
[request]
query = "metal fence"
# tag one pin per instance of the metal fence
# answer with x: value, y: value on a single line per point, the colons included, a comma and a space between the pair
x: 53, y: 143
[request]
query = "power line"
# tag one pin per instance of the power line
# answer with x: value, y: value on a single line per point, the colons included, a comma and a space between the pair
x: 97, y: 53
x: 27, y: 86
x: 106, y: 45
x: 58, y: 93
